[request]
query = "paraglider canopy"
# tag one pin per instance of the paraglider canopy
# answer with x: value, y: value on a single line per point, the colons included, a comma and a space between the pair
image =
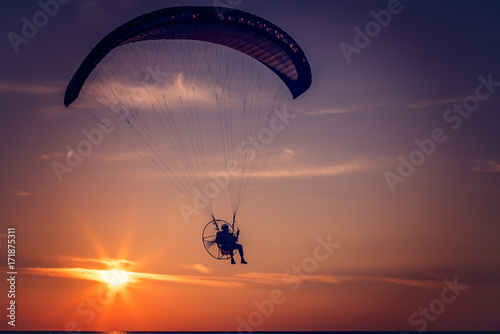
x: 241, y: 31
x: 198, y: 93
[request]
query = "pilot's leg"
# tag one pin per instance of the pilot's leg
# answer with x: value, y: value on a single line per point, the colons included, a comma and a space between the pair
x: 232, y: 258
x: 240, y: 250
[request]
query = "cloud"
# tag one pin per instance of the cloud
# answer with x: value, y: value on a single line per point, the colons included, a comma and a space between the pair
x: 106, y: 92
x: 486, y: 166
x: 422, y: 283
x: 262, y: 278
x: 367, y: 106
x: 22, y: 193
x: 328, y: 111
x: 53, y: 155
x: 133, y: 277
x: 105, y: 267
x: 281, y: 279
x: 76, y: 273
x: 419, y: 105
x: 51, y: 111
x: 127, y: 156
x: 284, y: 279
x: 382, y: 106
x: 432, y: 103
x: 195, y: 280
x: 333, y: 170
x: 30, y: 88
x: 199, y: 267
x: 107, y: 263
x: 285, y: 155
x: 153, y: 83
x: 110, y: 266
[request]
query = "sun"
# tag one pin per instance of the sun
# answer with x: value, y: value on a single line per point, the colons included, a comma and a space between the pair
x: 115, y: 278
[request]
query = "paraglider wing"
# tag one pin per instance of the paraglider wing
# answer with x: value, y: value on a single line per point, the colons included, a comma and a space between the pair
x: 199, y: 93
x: 241, y: 31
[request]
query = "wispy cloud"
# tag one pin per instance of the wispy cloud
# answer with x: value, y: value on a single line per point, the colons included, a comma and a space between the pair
x: 383, y: 106
x: 423, y: 283
x: 126, y: 156
x: 51, y: 111
x: 286, y: 157
x: 367, y: 106
x: 195, y: 280
x: 135, y: 88
x: 286, y: 154
x: 198, y: 267
x: 280, y: 279
x: 433, y: 103
x: 75, y: 273
x: 30, y: 88
x: 283, y: 279
x: 486, y: 166
x: 22, y: 193
x: 102, y: 268
x: 328, y: 111
x: 107, y: 263
x: 53, y: 155
x: 132, y: 277
x: 333, y: 170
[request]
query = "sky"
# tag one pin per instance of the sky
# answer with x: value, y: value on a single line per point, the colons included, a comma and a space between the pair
x: 377, y: 210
